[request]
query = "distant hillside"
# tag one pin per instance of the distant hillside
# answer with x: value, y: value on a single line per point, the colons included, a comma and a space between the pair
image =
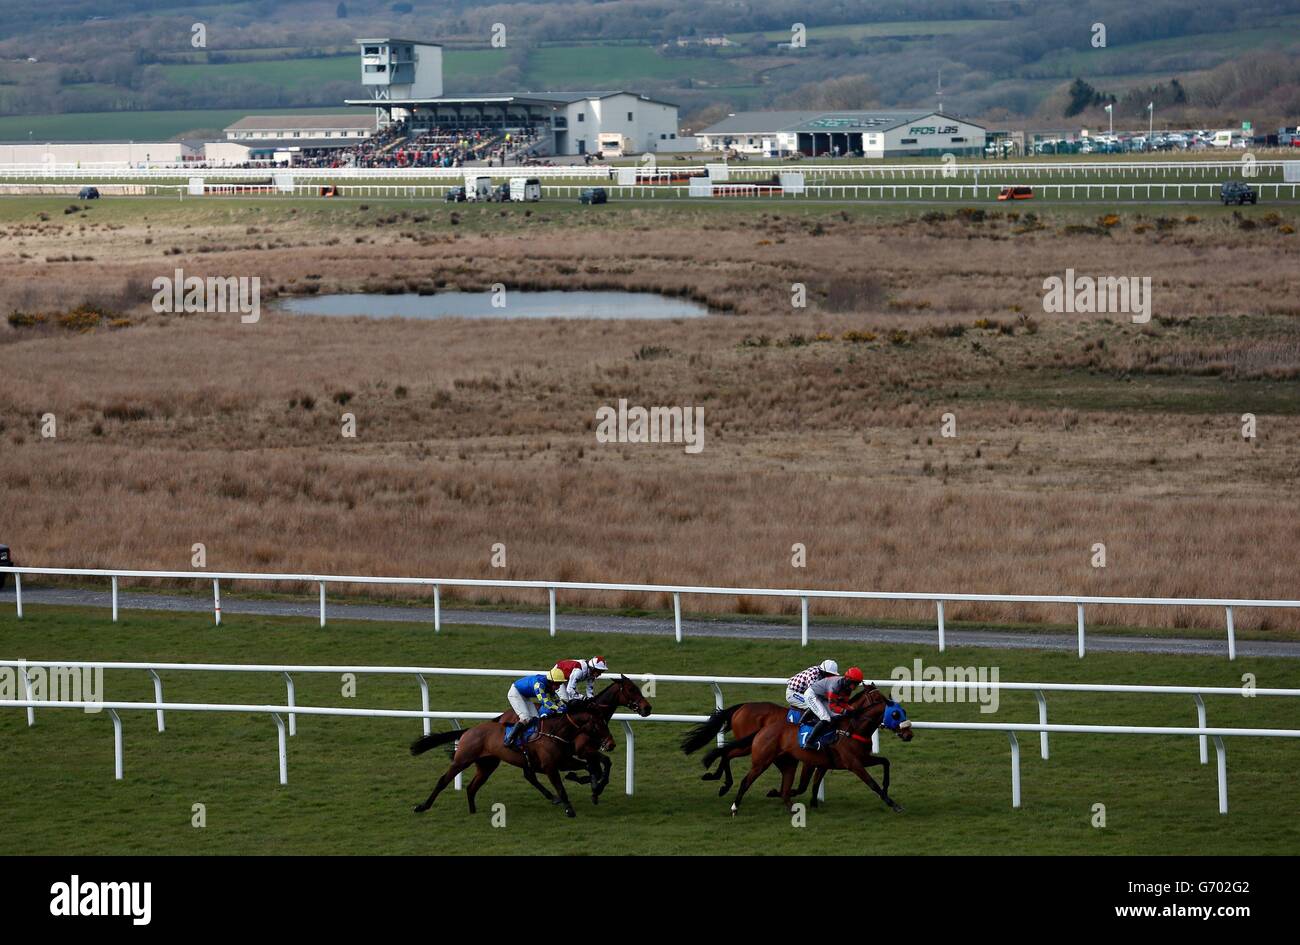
x: 1003, y: 60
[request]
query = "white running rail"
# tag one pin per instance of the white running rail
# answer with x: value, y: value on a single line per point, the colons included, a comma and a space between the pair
x: 902, y: 690
x: 1079, y: 602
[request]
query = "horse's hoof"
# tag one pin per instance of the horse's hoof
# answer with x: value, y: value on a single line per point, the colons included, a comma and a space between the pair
x: 734, y: 810
x: 896, y: 807
x: 420, y: 808
x: 570, y: 812
x: 595, y: 798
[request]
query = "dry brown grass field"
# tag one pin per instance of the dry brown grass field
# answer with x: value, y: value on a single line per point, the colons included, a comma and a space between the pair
x: 822, y: 423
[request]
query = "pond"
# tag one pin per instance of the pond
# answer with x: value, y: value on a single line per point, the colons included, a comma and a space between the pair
x: 517, y: 304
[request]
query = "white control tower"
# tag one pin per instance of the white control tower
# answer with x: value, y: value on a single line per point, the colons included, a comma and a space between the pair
x: 400, y: 69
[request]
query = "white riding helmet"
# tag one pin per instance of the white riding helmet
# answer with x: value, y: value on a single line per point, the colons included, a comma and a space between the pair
x: 830, y: 667
x: 597, y: 663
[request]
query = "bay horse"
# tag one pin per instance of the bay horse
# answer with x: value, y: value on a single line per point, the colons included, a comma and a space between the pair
x: 622, y: 693
x: 778, y: 743
x: 743, y: 720
x: 484, y: 746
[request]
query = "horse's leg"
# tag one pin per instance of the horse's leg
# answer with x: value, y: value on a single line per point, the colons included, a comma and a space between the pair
x: 530, y: 775
x: 558, y: 784
x: 804, y: 777
x: 485, y: 767
x: 859, y: 767
x: 787, y: 767
x: 818, y: 775
x: 871, y: 761
x: 457, y: 766
x: 606, y: 766
x: 757, y: 765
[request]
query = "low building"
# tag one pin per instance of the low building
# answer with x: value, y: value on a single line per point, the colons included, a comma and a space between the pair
x: 871, y: 134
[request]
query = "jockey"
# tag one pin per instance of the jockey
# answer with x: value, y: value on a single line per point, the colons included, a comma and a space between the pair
x: 820, y: 697
x: 566, y: 674
x: 531, y: 697
x: 798, y: 684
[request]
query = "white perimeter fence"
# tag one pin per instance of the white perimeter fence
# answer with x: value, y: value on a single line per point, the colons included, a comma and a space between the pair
x: 745, y: 191
x: 901, y: 688
x: 676, y: 590
x: 1028, y: 170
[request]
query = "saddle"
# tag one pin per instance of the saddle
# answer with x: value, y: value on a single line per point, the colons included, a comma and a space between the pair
x: 806, y: 721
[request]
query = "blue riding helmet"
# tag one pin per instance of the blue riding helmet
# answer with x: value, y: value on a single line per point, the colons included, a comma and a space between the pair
x: 895, y: 717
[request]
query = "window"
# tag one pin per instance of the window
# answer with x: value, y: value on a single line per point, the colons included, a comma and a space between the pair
x: 582, y: 116
x: 673, y: 136
x: 908, y: 141
x: 956, y: 139
x: 629, y: 116
x: 663, y: 137
x: 372, y: 51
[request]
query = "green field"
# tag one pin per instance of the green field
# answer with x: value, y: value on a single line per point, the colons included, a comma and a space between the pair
x: 898, y: 29
x: 132, y: 126
x: 352, y: 782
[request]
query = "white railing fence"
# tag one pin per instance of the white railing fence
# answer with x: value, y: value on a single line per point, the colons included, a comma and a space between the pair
x: 1228, y: 605
x: 1024, y: 170
x: 902, y: 690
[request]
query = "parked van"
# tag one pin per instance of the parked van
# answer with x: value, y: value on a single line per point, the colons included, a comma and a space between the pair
x: 478, y: 188
x: 525, y: 188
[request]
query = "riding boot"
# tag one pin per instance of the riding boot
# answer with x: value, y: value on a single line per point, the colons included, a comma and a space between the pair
x: 818, y: 730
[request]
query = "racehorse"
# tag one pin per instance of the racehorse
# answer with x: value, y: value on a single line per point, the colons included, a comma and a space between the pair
x: 586, y: 753
x: 778, y: 743
x: 743, y: 720
x: 484, y: 746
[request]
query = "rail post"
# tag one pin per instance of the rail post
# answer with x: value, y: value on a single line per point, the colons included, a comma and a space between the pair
x: 456, y: 782
x: 1200, y: 723
x: 117, y: 745
x: 1232, y: 637
x: 18, y: 593
x: 677, y: 616
x: 717, y: 702
x: 322, y: 603
x: 1222, y: 757
x: 437, y: 612
x: 1015, y: 770
x: 803, y: 621
x: 629, y: 786
x: 216, y: 599
x: 293, y: 717
x: 284, y: 748
x: 424, y: 702
x: 158, y: 698
x: 1080, y: 611
x: 27, y: 695
x: 1042, y: 720
x: 114, y: 598
x: 942, y: 641
x: 552, y: 596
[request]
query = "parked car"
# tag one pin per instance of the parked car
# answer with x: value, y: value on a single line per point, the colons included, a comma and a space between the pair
x: 1238, y: 192
x: 454, y: 195
x: 88, y: 193
x: 593, y: 195
x: 501, y: 193
x: 5, y: 562
x: 1019, y: 192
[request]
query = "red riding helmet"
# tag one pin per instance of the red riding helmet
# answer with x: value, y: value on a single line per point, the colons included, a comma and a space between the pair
x: 853, y: 674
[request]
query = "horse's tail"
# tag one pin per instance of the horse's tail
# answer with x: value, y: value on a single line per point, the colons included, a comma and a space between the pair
x: 718, y: 751
x: 425, y: 742
x: 701, y: 734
